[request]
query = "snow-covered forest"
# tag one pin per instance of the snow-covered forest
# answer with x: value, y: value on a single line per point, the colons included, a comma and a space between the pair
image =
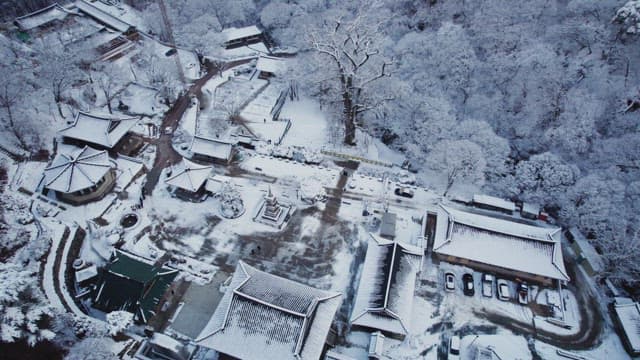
x: 535, y: 102
x: 542, y: 100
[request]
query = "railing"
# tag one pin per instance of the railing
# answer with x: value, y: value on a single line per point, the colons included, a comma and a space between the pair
x: 355, y: 158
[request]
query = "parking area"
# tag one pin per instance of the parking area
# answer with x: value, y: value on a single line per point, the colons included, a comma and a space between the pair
x: 492, y: 296
x: 468, y: 282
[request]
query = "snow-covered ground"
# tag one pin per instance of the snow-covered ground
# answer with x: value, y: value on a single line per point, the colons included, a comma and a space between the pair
x: 142, y: 100
x: 308, y: 124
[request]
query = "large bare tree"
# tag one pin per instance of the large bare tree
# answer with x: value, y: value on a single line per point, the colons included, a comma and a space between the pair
x: 109, y: 79
x: 59, y: 70
x: 351, y: 47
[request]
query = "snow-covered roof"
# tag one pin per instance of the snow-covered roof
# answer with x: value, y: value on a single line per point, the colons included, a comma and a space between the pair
x: 388, y: 225
x: 494, y: 202
x: 233, y: 33
x: 333, y: 355
x: 189, y: 176
x: 166, y: 342
x: 629, y: 316
x: 86, y: 273
x: 376, y: 344
x: 265, y: 316
x: 211, y: 147
x: 41, y: 17
x: 102, y: 16
x: 79, y: 170
x: 385, y: 292
x: 499, y: 242
x: 214, y: 184
x: 104, y: 130
x: 530, y: 208
x: 588, y: 251
x: 495, y: 347
x: 270, y: 64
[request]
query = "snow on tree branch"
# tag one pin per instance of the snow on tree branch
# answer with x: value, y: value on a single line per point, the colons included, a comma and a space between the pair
x: 629, y: 15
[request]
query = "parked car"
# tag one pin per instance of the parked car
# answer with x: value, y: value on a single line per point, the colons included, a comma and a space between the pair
x: 407, y: 179
x: 523, y: 293
x: 487, y: 285
x: 467, y: 285
x: 454, y: 348
x: 503, y: 290
x: 404, y: 192
x: 449, y: 282
x: 170, y: 52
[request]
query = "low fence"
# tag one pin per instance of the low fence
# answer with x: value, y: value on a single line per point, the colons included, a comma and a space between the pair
x: 355, y: 158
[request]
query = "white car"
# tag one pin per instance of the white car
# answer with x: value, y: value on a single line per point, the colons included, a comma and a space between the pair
x: 449, y: 282
x: 168, y: 130
x: 454, y: 348
x: 503, y: 290
x: 487, y: 285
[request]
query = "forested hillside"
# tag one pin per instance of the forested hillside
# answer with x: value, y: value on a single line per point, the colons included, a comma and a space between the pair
x: 542, y: 99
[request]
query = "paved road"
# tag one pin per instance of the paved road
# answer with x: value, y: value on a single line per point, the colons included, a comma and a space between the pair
x: 165, y: 154
x: 591, y: 321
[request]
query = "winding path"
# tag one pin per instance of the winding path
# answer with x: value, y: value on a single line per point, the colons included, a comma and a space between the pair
x: 53, y: 272
x: 165, y: 154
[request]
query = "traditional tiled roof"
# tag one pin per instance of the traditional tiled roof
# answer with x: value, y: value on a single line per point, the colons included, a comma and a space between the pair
x: 628, y: 314
x: 231, y: 34
x: 266, y: 316
x: 494, y: 202
x: 189, y: 176
x: 41, y: 17
x: 102, y: 16
x: 103, y: 130
x: 385, y: 292
x: 79, y: 170
x: 270, y: 64
x: 499, y: 242
x: 133, y: 284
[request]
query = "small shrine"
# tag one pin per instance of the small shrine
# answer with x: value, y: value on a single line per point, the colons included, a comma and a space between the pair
x: 273, y: 213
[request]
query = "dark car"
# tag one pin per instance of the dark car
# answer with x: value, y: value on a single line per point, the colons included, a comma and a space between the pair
x: 467, y: 285
x: 404, y: 192
x: 523, y: 293
x: 170, y: 52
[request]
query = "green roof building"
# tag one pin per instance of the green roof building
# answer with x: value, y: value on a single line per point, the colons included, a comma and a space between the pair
x: 133, y: 284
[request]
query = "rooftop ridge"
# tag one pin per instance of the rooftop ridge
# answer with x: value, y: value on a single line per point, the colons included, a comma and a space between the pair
x: 488, y: 227
x: 239, y: 292
x: 390, y: 275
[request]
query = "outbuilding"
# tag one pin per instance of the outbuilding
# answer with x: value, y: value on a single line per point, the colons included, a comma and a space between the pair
x: 133, y: 284
x: 627, y: 315
x: 269, y: 66
x: 101, y: 131
x: 213, y: 150
x: 188, y: 180
x: 237, y: 37
x: 511, y: 249
x: 494, y: 203
x: 80, y: 176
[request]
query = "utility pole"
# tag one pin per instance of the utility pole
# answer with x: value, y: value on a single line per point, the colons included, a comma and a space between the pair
x: 172, y: 41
